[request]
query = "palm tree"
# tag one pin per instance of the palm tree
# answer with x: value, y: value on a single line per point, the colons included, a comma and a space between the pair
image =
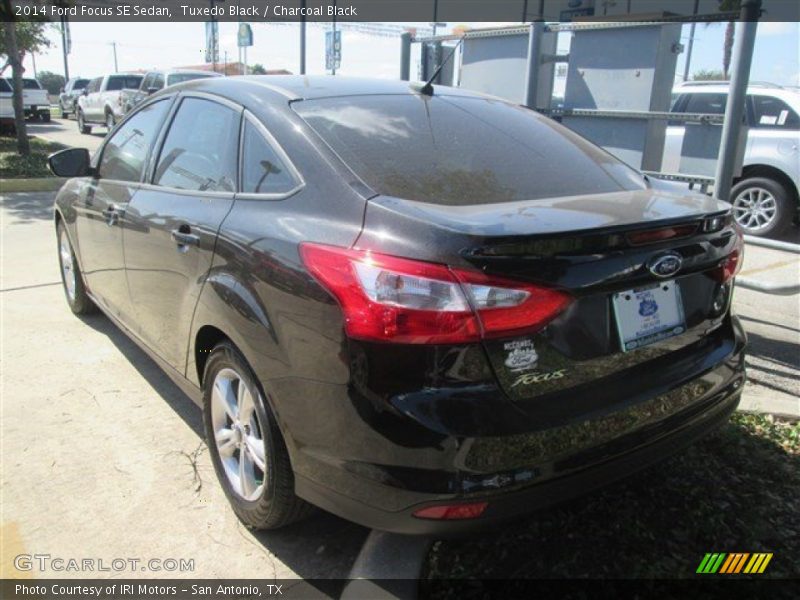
x: 727, y: 44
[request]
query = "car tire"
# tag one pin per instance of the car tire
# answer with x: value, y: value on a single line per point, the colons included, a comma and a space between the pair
x: 82, y: 126
x: 761, y: 206
x: 71, y: 277
x: 46, y: 117
x: 110, y: 121
x: 235, y: 438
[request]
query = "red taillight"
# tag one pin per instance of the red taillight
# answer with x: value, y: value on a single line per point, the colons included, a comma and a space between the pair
x: 651, y: 236
x: 391, y: 299
x: 732, y: 264
x: 452, y: 511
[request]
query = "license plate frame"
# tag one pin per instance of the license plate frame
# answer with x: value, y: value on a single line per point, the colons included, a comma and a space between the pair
x: 648, y: 314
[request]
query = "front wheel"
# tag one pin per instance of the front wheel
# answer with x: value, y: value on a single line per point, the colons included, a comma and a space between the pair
x: 246, y: 445
x: 110, y: 121
x: 761, y: 206
x: 71, y: 278
x: 82, y: 126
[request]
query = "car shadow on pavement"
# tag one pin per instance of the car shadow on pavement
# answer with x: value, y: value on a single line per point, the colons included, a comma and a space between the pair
x: 320, y: 547
x: 58, y: 127
x: 27, y: 207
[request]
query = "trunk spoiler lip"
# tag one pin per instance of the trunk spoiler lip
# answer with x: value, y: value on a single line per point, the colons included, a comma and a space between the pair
x: 554, y: 217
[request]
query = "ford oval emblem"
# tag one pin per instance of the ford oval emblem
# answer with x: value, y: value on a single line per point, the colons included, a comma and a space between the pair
x: 665, y: 265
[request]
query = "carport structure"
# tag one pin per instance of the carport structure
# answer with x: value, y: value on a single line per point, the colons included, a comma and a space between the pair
x: 518, y: 63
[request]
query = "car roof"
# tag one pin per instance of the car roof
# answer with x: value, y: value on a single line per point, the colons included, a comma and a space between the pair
x: 309, y: 87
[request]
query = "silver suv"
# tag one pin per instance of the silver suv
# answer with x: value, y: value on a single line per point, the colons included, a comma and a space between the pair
x: 765, y: 197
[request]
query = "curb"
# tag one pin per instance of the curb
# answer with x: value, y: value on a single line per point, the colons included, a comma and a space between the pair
x: 39, y: 184
x: 388, y: 567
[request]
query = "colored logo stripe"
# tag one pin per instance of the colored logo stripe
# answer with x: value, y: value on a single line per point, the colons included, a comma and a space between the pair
x: 735, y: 562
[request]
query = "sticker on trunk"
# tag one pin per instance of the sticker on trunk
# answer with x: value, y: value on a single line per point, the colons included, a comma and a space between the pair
x: 520, y: 355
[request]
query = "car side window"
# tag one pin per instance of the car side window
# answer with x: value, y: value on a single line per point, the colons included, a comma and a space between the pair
x: 125, y: 154
x: 200, y: 150
x: 774, y: 113
x: 263, y: 170
x: 4, y: 86
x: 707, y: 104
x: 94, y: 85
x: 148, y: 81
x: 158, y: 81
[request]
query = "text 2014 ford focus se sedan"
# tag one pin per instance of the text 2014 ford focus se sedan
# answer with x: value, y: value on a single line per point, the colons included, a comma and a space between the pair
x: 424, y: 312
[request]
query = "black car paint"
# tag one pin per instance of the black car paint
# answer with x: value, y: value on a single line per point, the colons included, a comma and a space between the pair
x: 374, y: 430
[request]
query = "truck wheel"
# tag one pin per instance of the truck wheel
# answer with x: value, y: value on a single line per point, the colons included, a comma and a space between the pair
x: 761, y: 206
x: 110, y: 121
x: 82, y: 126
x: 46, y: 117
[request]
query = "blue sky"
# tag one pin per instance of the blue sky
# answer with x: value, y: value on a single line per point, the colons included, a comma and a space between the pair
x: 149, y: 45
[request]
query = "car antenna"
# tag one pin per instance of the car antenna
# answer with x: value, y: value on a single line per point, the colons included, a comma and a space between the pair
x: 427, y: 88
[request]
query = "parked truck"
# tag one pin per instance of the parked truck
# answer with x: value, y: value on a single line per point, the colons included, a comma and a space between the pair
x: 34, y: 98
x: 103, y: 100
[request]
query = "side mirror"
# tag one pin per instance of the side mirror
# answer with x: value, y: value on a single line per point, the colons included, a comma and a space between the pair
x: 151, y: 91
x: 72, y: 162
x: 63, y: 89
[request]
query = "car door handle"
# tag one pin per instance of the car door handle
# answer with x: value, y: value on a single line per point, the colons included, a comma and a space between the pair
x: 112, y: 215
x: 183, y: 237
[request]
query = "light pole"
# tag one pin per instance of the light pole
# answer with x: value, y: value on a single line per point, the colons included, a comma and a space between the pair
x: 64, y: 47
x: 114, y: 46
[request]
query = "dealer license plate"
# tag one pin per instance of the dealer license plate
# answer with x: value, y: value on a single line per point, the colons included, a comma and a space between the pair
x: 649, y: 314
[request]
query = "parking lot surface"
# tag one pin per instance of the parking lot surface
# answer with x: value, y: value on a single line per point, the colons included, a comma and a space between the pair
x: 102, y: 454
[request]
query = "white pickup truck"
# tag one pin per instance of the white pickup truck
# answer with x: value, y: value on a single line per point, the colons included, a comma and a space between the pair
x: 103, y: 101
x: 34, y: 99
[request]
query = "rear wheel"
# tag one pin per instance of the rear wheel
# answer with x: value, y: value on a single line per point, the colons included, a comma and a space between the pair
x: 761, y: 206
x: 246, y: 445
x: 46, y: 117
x: 110, y: 121
x: 74, y: 289
x: 82, y: 126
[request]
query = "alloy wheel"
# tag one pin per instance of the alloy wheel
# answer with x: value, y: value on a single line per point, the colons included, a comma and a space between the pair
x: 238, y: 434
x: 755, y: 209
x: 67, y: 266
x: 110, y: 121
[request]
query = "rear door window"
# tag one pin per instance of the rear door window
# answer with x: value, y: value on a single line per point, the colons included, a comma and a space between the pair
x: 264, y: 171
x: 462, y: 150
x: 5, y: 86
x: 200, y: 150
x: 774, y: 113
x: 707, y: 104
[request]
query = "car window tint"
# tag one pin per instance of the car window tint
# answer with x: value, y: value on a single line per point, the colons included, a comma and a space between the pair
x: 774, y: 113
x: 95, y: 85
x: 31, y: 84
x: 80, y: 84
x: 263, y: 172
x: 158, y: 81
x: 121, y: 82
x: 461, y: 151
x: 4, y: 86
x: 125, y: 154
x: 148, y: 81
x: 200, y: 151
x: 708, y: 104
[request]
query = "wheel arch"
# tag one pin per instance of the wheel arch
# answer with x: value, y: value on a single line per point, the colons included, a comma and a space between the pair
x: 770, y: 172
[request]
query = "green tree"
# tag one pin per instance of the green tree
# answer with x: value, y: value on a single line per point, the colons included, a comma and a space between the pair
x: 18, y: 39
x: 257, y: 69
x: 709, y: 75
x: 52, y: 82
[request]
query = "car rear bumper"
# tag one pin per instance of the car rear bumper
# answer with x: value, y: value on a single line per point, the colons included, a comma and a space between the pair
x: 517, y: 473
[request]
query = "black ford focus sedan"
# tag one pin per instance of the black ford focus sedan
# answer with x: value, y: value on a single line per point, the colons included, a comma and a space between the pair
x: 423, y: 311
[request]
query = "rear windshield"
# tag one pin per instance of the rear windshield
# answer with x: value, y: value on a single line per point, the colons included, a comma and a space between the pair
x: 80, y: 84
x: 176, y: 78
x: 119, y: 82
x: 460, y: 151
x: 31, y: 84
